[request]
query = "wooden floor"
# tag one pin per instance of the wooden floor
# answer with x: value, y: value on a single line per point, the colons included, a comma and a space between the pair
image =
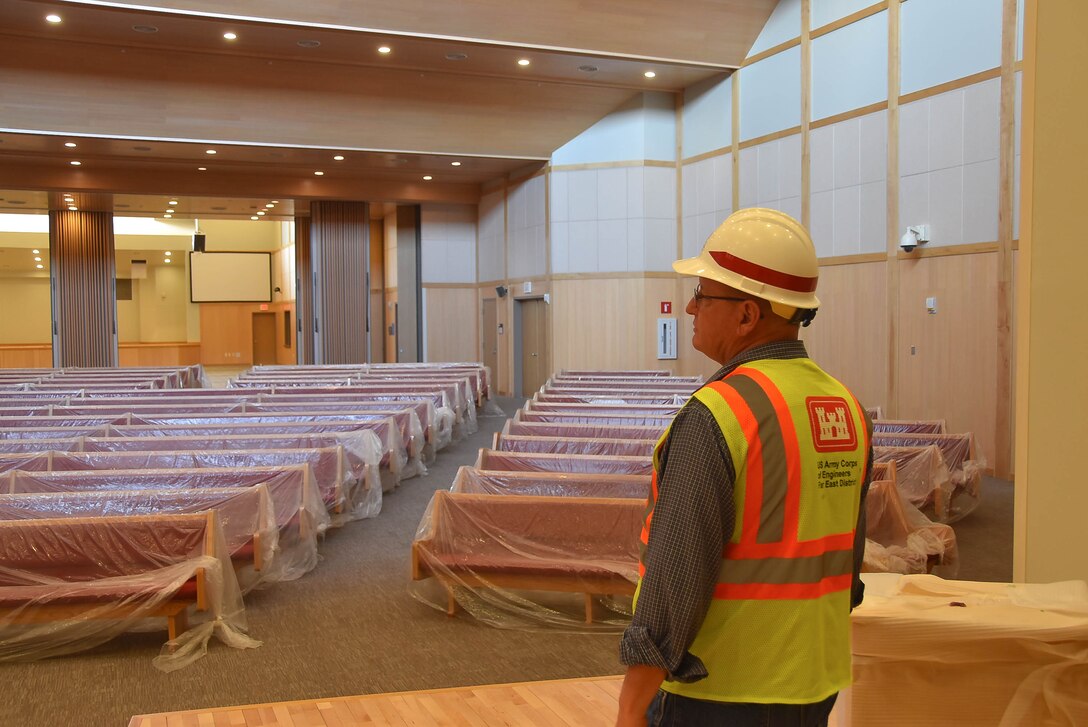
x: 576, y: 702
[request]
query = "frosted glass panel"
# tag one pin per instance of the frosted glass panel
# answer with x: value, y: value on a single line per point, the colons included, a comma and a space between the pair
x: 783, y: 25
x: 708, y: 116
x: 770, y: 94
x: 828, y: 11
x: 942, y: 41
x: 840, y: 82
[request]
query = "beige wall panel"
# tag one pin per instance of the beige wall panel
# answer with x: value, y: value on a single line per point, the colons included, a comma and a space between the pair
x: 163, y: 299
x: 226, y: 333
x: 141, y: 93
x: 389, y: 304
x: 848, y: 337
x: 159, y: 354
x: 953, y: 373
x: 452, y: 324
x: 712, y: 31
x: 29, y: 296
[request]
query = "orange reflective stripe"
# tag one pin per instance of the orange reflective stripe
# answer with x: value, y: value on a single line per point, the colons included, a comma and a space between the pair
x: 793, y: 450
x: 753, y: 491
x: 782, y: 591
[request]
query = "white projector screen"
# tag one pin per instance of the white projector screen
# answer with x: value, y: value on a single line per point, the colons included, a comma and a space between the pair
x: 230, y: 277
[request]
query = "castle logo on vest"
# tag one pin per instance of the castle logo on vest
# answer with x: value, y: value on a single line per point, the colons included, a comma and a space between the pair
x: 832, y: 425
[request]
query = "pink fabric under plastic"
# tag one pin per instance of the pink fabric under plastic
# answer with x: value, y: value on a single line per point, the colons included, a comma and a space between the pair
x: 604, y: 431
x: 903, y: 540
x: 550, y: 484
x: 558, y: 445
x: 964, y: 465
x: 890, y: 426
x: 618, y: 420
x: 490, y: 459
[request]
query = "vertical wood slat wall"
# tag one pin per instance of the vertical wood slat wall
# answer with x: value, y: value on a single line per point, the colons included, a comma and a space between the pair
x: 82, y: 288
x: 304, y: 292
x: 339, y: 254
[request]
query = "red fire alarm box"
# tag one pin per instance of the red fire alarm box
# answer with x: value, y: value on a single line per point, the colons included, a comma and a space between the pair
x: 666, y: 306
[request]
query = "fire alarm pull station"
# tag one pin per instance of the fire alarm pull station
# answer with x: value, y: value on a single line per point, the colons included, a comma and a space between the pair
x: 666, y: 307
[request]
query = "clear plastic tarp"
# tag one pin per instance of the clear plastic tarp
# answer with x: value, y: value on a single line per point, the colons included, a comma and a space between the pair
x: 529, y: 562
x: 572, y: 445
x: 550, y: 484
x: 894, y: 426
x: 610, y: 431
x: 634, y: 419
x: 676, y: 400
x: 900, y: 539
x: 245, y: 514
x: 39, y: 445
x: 921, y: 475
x: 299, y: 512
x: 626, y: 373
x: 11, y: 433
x: 933, y: 652
x: 964, y: 464
x: 667, y: 410
x: 490, y: 459
x: 69, y: 584
x: 29, y: 461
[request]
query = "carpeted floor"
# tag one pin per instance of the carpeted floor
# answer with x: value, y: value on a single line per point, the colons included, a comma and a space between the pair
x: 350, y: 627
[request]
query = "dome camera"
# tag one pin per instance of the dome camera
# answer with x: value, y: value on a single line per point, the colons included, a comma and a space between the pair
x: 913, y: 237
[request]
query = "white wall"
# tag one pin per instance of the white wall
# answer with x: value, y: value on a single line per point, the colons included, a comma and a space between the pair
x: 448, y: 243
x: 526, y: 252
x: 492, y: 236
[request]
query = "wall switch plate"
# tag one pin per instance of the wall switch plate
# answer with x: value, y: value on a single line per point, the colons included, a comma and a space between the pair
x: 931, y: 305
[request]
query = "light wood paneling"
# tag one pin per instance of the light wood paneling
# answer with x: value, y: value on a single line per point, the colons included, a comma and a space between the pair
x: 226, y: 333
x: 159, y: 354
x: 451, y: 324
x: 26, y: 356
x: 952, y: 372
x: 563, y: 703
x: 848, y: 337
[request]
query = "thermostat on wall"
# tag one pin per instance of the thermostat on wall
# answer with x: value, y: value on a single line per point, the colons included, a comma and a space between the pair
x: 666, y: 338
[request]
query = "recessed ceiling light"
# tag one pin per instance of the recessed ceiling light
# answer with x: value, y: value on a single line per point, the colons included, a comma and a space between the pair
x: 39, y: 266
x: 52, y: 18
x: 649, y: 74
x: 166, y: 260
x: 309, y: 43
x: 202, y: 169
x: 168, y: 216
x: 209, y: 151
x: 588, y: 69
x: 319, y: 174
x: 254, y: 217
x: 338, y: 158
x: 455, y: 164
x: 523, y: 62
x: 70, y: 144
x: 75, y: 163
x: 230, y: 36
x: 427, y: 177
x: 173, y: 201
x: 36, y: 252
x: 270, y: 205
x: 275, y: 201
x: 73, y: 208
x: 456, y: 56
x: 168, y: 253
x: 261, y: 213
x: 145, y: 28
x: 37, y: 259
x: 385, y: 49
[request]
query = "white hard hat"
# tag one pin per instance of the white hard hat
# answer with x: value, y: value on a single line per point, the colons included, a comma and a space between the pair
x: 762, y: 252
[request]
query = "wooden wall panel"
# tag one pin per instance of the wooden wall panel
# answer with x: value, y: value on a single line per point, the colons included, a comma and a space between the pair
x: 848, y: 339
x: 304, y: 292
x: 377, y: 284
x: 452, y: 324
x: 159, y: 354
x: 951, y: 373
x: 226, y: 333
x: 28, y: 356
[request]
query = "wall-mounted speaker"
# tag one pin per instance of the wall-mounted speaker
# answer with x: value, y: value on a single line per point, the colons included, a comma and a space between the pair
x: 501, y: 290
x: 198, y: 242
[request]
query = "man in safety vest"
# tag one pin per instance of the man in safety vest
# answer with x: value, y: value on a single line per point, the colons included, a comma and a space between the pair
x: 754, y: 531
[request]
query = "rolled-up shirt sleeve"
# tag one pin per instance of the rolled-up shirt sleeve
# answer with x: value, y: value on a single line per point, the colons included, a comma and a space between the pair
x: 693, y: 516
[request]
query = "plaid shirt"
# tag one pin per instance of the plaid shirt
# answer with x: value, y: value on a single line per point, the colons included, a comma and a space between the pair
x: 693, y: 514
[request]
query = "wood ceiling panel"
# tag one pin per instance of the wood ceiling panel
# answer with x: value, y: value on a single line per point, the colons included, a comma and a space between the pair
x: 717, y: 32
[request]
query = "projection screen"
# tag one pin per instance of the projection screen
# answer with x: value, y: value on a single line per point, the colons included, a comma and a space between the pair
x: 230, y: 277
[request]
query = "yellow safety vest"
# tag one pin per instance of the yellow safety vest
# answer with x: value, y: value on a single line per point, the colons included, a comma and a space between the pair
x: 778, y: 627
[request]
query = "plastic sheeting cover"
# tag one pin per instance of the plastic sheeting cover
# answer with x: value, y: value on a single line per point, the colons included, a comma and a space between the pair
x: 550, y: 484
x: 558, y: 445
x: 903, y: 540
x: 490, y: 459
x: 514, y: 562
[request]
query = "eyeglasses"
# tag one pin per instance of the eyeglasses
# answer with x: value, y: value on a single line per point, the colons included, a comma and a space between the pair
x: 699, y: 295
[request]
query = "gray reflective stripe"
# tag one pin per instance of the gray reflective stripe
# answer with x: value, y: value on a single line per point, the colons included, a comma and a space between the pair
x: 787, y: 570
x: 772, y: 511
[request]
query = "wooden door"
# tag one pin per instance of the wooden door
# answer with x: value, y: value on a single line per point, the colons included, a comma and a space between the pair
x: 491, y: 337
x: 264, y: 338
x: 534, y: 345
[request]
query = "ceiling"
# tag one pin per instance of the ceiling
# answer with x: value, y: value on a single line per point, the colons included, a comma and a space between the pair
x: 144, y: 94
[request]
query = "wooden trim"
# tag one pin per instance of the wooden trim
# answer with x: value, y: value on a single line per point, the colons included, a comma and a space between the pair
x: 973, y: 248
x: 767, y: 138
x: 707, y: 155
x: 548, y: 223
x: 865, y: 257
x: 849, y: 19
x: 518, y: 178
x: 645, y: 274
x: 806, y: 111
x: 1018, y: 66
x: 763, y: 55
x: 951, y: 85
x: 679, y: 167
x: 1005, y: 410
x: 891, y: 394
x: 735, y: 149
x: 847, y: 115
x: 1016, y: 243
x: 613, y: 165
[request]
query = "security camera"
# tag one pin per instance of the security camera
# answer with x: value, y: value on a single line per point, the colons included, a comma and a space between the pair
x: 914, y: 236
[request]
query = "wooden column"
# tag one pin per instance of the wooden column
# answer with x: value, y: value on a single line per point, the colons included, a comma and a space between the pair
x: 339, y: 254
x: 82, y: 286
x: 304, y: 292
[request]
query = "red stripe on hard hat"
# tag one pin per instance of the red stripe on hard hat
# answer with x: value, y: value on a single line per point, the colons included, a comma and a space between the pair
x: 764, y: 275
